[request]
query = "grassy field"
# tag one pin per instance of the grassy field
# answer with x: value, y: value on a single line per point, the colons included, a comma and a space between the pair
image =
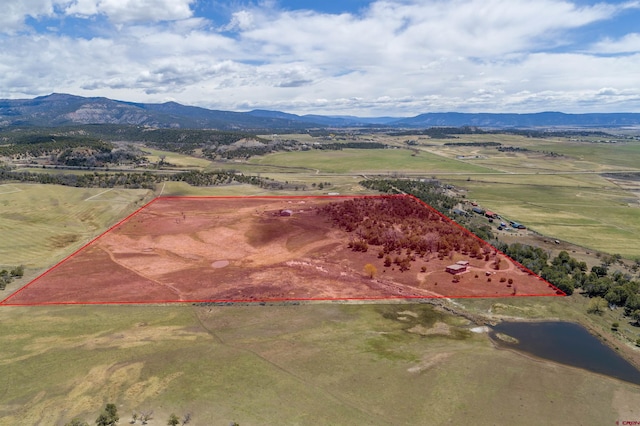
x: 568, y: 156
x: 43, y: 223
x: 587, y: 210
x: 184, y: 189
x: 176, y: 159
x: 320, y: 364
x: 377, y: 161
x: 324, y: 363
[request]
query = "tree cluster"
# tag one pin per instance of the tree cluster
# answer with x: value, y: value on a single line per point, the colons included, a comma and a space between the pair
x: 145, y: 180
x: 441, y: 132
x: 400, y: 227
x: 38, y: 146
x: 567, y: 274
x: 353, y: 145
x: 431, y: 192
x: 8, y: 275
x: 109, y: 417
x: 482, y: 144
x: 512, y: 149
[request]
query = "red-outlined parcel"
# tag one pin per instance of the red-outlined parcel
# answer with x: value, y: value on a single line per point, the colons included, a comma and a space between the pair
x: 275, y: 249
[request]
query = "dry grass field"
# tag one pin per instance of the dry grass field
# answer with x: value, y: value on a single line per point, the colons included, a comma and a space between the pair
x: 41, y: 224
x: 255, y: 365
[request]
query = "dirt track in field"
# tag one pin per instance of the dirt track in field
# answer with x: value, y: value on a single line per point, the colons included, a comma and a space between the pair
x: 243, y: 249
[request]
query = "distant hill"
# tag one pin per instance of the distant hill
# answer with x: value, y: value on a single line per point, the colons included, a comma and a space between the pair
x: 63, y: 110
x: 541, y: 119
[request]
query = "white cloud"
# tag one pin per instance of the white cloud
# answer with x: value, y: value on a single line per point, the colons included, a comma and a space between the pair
x: 122, y: 11
x: 395, y: 57
x: 630, y: 43
x: 14, y: 12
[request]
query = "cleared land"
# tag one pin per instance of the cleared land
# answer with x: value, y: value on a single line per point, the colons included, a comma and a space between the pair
x: 246, y: 249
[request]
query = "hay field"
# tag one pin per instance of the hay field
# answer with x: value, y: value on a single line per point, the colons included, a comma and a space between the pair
x: 368, y: 161
x: 177, y: 159
x: 41, y: 224
x: 542, y: 155
x: 320, y: 364
x: 586, y: 210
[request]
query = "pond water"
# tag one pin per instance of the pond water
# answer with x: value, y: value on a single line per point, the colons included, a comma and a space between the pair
x: 566, y: 343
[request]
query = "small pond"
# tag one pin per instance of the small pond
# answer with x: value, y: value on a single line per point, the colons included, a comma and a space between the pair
x: 566, y: 343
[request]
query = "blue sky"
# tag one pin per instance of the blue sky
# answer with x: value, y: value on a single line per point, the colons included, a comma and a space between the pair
x: 368, y: 58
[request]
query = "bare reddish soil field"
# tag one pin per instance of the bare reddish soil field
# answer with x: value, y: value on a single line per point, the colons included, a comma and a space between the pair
x: 239, y: 249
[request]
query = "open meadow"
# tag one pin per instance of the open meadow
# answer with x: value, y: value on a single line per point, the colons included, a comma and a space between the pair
x: 321, y: 364
x: 378, y: 161
x: 41, y: 224
x: 312, y: 362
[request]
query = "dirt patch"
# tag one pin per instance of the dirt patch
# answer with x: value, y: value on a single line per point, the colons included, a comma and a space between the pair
x: 429, y: 361
x: 60, y: 241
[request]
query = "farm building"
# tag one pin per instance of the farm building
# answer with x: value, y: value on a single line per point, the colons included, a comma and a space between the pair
x: 463, y: 262
x: 456, y: 269
x: 490, y: 214
x: 478, y: 210
x: 459, y: 212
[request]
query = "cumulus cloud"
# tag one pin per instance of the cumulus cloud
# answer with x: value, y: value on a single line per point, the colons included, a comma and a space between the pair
x: 14, y: 13
x: 630, y: 43
x: 121, y: 11
x: 393, y: 57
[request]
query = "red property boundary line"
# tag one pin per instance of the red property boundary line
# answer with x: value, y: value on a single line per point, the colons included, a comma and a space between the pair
x: 5, y: 301
x: 515, y: 262
x: 54, y: 267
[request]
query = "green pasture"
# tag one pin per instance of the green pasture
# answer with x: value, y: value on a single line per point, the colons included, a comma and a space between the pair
x: 256, y: 168
x: 184, y: 189
x: 619, y: 156
x: 175, y: 158
x: 583, y: 209
x: 368, y: 161
x: 41, y: 224
x: 574, y: 156
x: 309, y: 364
x: 536, y: 163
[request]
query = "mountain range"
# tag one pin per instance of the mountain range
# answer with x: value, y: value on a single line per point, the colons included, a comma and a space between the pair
x: 66, y: 110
